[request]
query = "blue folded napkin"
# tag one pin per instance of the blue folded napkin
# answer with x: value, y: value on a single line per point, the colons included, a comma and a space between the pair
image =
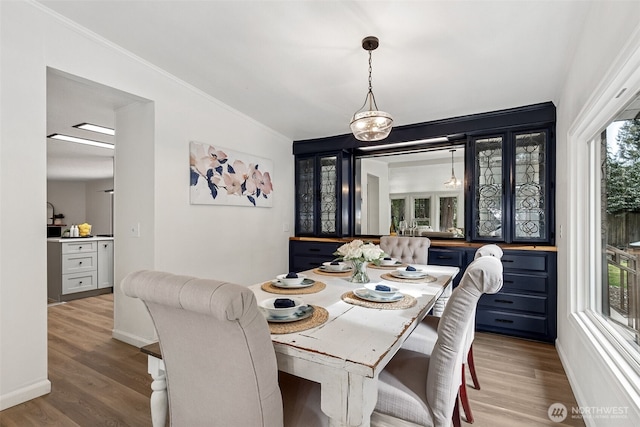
x: 284, y: 303
x: 383, y: 288
x: 335, y: 263
x: 387, y: 258
x: 410, y: 268
x: 292, y: 275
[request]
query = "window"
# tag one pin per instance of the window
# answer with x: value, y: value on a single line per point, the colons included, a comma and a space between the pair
x: 617, y: 197
x: 431, y: 211
x: 422, y: 211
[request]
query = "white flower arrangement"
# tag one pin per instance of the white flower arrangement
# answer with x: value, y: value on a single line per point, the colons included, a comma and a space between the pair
x: 357, y: 250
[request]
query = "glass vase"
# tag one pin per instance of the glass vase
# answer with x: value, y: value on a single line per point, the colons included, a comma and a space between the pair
x: 359, y: 271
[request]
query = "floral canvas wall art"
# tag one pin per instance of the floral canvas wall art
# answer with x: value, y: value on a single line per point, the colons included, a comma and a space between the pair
x: 221, y: 176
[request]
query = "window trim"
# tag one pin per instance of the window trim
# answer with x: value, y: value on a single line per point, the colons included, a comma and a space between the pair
x: 618, y: 87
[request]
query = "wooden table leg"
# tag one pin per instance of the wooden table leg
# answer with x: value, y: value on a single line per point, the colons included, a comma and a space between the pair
x: 350, y: 401
x: 159, y: 400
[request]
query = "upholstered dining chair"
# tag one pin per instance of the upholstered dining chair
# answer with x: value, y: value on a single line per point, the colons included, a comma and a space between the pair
x: 410, y: 250
x: 423, y: 388
x: 423, y: 339
x: 220, y: 362
x: 413, y: 250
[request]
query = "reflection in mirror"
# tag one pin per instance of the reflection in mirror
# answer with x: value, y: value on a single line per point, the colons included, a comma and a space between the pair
x: 405, y: 193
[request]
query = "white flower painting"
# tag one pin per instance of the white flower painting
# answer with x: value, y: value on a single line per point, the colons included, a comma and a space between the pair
x: 220, y: 176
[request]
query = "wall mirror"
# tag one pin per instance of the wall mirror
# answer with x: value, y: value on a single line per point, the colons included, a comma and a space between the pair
x: 406, y: 193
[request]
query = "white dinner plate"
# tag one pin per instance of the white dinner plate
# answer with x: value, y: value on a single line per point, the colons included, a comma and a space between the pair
x: 409, y: 274
x: 303, y: 313
x: 327, y: 270
x: 305, y: 284
x: 394, y: 265
x: 425, y: 277
x: 363, y: 293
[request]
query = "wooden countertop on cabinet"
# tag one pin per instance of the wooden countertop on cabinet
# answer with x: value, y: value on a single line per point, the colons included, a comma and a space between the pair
x: 434, y: 242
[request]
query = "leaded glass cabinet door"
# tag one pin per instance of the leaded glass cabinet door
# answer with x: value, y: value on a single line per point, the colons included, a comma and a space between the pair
x: 488, y: 209
x: 305, y: 195
x: 511, y: 187
x: 319, y: 198
x: 328, y: 200
x: 530, y: 192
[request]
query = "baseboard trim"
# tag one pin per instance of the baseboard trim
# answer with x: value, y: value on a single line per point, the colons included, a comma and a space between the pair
x: 130, y: 339
x: 24, y: 394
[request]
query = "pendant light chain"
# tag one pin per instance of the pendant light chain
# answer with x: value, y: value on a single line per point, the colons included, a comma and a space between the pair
x: 370, y: 96
x: 370, y: 70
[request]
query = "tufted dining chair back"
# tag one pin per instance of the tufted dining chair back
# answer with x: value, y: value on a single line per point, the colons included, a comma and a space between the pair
x: 423, y: 388
x: 410, y: 250
x: 220, y: 363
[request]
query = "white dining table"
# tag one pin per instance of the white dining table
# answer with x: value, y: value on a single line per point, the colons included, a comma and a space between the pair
x: 346, y: 354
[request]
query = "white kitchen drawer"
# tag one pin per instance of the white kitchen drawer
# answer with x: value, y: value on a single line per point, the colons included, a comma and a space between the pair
x: 79, y: 282
x: 78, y: 247
x: 79, y: 263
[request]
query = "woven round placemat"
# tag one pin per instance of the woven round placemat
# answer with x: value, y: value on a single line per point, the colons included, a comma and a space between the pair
x: 406, y: 302
x: 386, y: 267
x: 338, y: 274
x: 272, y: 289
x: 319, y: 316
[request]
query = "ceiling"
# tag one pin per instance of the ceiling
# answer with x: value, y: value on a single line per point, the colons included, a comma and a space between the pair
x: 298, y: 67
x: 72, y: 101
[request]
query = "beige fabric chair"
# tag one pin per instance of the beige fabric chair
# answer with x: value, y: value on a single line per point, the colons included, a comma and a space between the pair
x: 220, y: 363
x: 423, y: 388
x: 411, y: 250
x: 423, y: 339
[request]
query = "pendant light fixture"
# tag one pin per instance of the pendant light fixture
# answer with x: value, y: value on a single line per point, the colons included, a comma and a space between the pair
x: 371, y: 124
x: 453, y: 182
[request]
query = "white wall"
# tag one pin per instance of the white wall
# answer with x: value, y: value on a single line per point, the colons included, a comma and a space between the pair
x: 98, y: 207
x: 82, y: 201
x: 595, y: 376
x: 423, y: 179
x: 70, y: 199
x: 429, y: 180
x: 243, y: 245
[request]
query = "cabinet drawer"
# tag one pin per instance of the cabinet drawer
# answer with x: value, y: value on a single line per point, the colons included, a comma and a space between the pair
x: 78, y: 282
x: 507, y: 301
x: 521, y: 282
x: 532, y: 262
x: 512, y: 321
x: 78, y: 247
x: 302, y: 263
x: 78, y: 263
x: 322, y: 249
x: 446, y: 257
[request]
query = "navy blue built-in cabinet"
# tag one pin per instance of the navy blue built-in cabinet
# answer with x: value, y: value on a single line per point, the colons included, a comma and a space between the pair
x: 509, y: 200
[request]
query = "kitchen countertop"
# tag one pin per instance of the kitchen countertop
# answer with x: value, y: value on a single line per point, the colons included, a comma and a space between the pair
x: 77, y: 239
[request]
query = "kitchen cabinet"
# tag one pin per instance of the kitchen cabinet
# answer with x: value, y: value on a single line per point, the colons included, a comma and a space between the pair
x: 105, y: 264
x: 77, y: 268
x: 322, y: 203
x: 511, y: 186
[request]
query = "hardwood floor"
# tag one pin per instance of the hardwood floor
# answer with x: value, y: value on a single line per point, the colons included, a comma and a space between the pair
x: 99, y: 381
